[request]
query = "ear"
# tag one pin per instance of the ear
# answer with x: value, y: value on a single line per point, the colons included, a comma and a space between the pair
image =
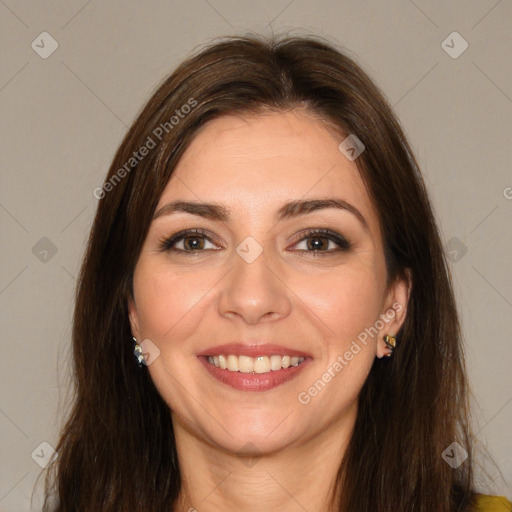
x: 134, y: 318
x: 394, y: 311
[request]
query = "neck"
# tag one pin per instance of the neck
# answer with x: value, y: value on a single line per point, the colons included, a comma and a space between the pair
x: 301, y: 476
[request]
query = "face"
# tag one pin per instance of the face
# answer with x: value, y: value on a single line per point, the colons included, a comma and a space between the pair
x: 268, y: 280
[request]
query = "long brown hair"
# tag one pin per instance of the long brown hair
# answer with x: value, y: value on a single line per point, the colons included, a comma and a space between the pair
x: 117, y: 450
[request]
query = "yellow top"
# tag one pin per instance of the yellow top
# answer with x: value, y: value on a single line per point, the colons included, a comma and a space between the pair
x: 493, y: 504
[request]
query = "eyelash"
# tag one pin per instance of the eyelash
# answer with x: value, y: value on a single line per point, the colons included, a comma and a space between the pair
x: 166, y: 244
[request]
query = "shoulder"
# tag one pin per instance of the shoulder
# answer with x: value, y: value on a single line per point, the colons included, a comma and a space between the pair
x: 485, y: 503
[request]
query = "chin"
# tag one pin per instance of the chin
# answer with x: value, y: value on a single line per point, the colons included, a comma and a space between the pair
x: 264, y: 432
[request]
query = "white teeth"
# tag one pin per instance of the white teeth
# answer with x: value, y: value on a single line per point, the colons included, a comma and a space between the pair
x: 276, y: 362
x: 245, y: 364
x: 260, y: 364
x: 233, y: 363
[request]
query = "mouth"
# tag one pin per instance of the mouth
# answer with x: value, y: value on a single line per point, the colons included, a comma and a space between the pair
x: 253, y: 367
x: 259, y: 364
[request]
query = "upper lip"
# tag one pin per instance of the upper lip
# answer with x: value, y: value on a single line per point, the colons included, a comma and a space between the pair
x: 252, y: 349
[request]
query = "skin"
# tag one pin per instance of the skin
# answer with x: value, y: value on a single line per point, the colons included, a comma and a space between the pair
x: 258, y: 451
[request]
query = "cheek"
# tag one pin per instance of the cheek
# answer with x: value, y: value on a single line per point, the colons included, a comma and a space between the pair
x: 166, y: 302
x: 351, y: 308
x: 169, y: 308
x: 347, y: 300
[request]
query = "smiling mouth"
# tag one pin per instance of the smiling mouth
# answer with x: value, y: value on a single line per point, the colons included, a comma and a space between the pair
x: 253, y: 365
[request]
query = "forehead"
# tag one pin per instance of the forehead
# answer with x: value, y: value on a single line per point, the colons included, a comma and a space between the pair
x: 264, y: 160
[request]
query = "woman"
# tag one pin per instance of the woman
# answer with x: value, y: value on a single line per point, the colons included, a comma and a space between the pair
x: 264, y: 318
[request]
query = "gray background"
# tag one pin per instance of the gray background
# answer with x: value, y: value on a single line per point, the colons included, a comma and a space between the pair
x: 64, y: 116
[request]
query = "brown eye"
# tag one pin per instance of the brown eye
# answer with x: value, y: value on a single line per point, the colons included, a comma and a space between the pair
x: 191, y: 240
x: 318, y: 241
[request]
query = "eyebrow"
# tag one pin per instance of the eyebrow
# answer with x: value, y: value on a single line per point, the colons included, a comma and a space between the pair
x: 216, y: 211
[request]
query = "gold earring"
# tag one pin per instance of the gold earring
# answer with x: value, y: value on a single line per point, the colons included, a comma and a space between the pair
x: 390, y: 342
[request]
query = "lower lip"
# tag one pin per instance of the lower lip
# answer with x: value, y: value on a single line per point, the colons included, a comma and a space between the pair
x: 256, y: 381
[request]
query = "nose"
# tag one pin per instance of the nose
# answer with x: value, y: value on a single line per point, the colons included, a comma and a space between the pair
x: 255, y: 291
